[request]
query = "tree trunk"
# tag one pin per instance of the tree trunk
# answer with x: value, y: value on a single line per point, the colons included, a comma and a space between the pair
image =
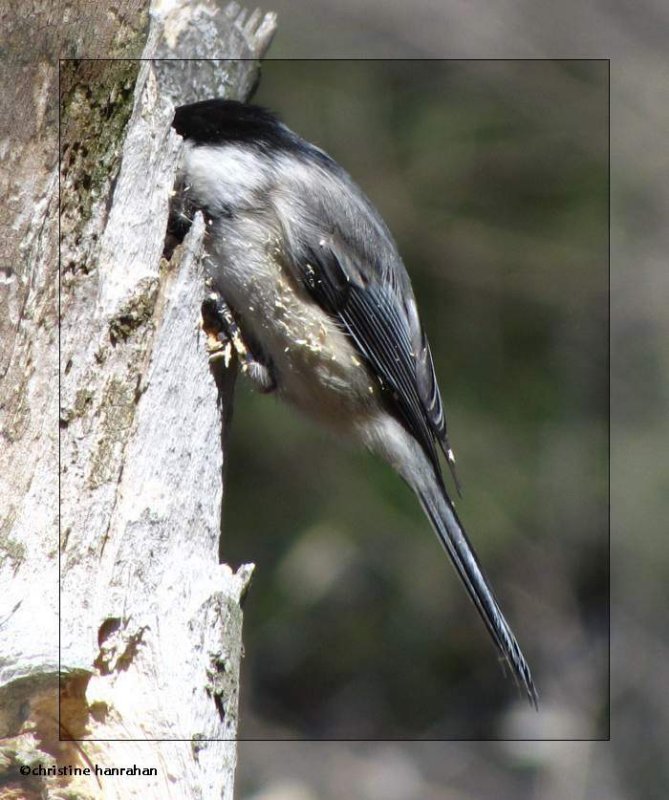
x: 149, y: 641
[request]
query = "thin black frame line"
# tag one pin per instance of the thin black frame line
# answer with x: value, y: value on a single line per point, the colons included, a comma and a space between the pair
x: 360, y: 58
x: 608, y: 571
x: 59, y: 521
x: 58, y: 516
x: 344, y: 741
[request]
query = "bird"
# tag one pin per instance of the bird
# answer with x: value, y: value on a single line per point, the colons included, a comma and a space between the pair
x: 309, y: 284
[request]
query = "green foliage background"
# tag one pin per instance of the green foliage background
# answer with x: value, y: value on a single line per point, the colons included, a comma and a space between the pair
x: 493, y: 177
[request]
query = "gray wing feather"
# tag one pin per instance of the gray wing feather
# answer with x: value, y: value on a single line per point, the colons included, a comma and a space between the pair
x: 343, y: 253
x: 380, y: 329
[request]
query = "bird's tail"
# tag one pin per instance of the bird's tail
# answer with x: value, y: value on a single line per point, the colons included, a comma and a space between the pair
x: 440, y: 511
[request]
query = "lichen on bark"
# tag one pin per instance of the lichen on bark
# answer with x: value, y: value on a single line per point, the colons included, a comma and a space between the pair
x: 96, y: 100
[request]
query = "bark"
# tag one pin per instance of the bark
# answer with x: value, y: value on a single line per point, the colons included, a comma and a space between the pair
x: 150, y: 622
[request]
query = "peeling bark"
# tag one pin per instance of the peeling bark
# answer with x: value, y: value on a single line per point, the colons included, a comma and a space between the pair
x: 150, y: 622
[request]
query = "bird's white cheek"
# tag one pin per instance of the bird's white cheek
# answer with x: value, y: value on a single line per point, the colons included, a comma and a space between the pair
x: 223, y: 176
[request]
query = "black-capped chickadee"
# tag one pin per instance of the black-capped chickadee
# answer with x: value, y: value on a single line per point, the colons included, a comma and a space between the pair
x: 317, y: 298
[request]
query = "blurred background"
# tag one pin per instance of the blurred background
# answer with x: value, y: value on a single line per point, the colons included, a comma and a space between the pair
x: 493, y: 177
x: 633, y: 763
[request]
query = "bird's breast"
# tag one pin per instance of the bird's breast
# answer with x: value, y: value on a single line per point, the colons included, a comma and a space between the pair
x: 316, y: 365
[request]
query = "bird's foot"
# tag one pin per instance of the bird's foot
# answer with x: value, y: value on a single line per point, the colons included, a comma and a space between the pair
x: 224, y: 338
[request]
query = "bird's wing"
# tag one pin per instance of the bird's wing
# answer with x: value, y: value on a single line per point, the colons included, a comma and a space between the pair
x: 381, y: 330
x: 383, y: 324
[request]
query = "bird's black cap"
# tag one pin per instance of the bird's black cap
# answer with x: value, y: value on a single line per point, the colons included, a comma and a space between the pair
x: 218, y: 121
